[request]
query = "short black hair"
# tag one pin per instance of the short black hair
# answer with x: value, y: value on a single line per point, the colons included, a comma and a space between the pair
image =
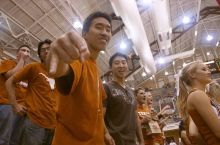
x: 88, y: 21
x: 47, y: 41
x: 115, y: 55
x: 23, y: 46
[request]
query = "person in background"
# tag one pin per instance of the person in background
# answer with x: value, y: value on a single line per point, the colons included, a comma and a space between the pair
x: 154, y: 137
x: 72, y: 62
x: 194, y: 103
x: 121, y: 118
x: 7, y: 69
x: 40, y: 119
x: 213, y: 90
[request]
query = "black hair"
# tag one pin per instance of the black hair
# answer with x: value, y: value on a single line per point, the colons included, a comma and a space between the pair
x: 46, y: 41
x: 115, y: 55
x: 88, y: 21
x: 23, y: 46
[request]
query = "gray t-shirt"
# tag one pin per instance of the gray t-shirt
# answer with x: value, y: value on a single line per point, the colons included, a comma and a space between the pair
x: 120, y: 117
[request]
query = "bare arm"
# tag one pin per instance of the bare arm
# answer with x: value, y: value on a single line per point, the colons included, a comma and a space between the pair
x: 139, y: 131
x: 185, y: 138
x: 200, y: 102
x: 107, y: 137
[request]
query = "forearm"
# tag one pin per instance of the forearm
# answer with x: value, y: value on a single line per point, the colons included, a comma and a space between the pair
x: 19, y: 65
x: 10, y: 87
x: 138, y: 130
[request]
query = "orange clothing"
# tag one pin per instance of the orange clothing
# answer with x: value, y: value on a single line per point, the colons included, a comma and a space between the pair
x: 207, y: 135
x: 80, y: 113
x: 39, y: 101
x: 152, y: 138
x: 5, y: 66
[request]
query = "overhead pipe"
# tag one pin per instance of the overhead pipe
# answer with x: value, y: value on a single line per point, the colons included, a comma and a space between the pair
x: 162, y: 24
x: 128, y: 11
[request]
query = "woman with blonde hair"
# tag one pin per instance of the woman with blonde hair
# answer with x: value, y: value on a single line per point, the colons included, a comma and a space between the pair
x: 193, y: 103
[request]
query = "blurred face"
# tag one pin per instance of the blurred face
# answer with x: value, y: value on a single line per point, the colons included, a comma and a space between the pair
x: 99, y: 34
x: 141, y: 98
x: 119, y: 67
x: 44, y: 51
x: 202, y: 74
x: 149, y: 98
x: 24, y: 51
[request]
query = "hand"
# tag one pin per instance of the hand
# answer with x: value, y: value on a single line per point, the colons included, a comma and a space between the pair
x: 108, y: 139
x: 20, y: 109
x: 146, y: 118
x: 25, y: 56
x: 71, y: 46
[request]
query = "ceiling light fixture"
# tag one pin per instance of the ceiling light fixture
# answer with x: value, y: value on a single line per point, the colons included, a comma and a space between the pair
x: 209, y: 37
x: 217, y: 43
x: 102, y: 52
x: 143, y: 74
x: 208, y: 53
x: 185, y: 20
x: 123, y: 45
x: 196, y: 32
x: 161, y: 60
x: 77, y: 24
x: 166, y: 73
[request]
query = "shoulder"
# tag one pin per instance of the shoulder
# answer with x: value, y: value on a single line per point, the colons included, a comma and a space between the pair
x: 7, y: 65
x: 197, y: 94
x: 8, y: 62
x: 198, y: 97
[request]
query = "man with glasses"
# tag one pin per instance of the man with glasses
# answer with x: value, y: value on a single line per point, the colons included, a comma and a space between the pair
x: 40, y: 111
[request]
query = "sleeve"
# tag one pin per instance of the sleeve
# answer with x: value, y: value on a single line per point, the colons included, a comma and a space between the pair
x: 25, y: 73
x: 6, y: 65
x: 108, y: 94
x: 76, y: 67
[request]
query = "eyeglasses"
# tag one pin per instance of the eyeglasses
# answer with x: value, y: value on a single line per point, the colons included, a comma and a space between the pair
x: 44, y: 49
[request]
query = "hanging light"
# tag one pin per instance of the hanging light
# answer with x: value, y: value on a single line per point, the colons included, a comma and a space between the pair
x: 123, y: 45
x: 77, y: 24
x: 185, y: 20
x: 209, y: 37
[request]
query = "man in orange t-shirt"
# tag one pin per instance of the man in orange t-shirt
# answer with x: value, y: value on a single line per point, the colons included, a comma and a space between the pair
x: 73, y: 64
x: 7, y: 69
x: 40, y: 101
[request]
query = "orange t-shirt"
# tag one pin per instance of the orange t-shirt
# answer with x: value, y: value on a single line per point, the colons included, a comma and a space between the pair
x: 148, y: 139
x: 5, y: 66
x: 40, y: 101
x: 80, y: 113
